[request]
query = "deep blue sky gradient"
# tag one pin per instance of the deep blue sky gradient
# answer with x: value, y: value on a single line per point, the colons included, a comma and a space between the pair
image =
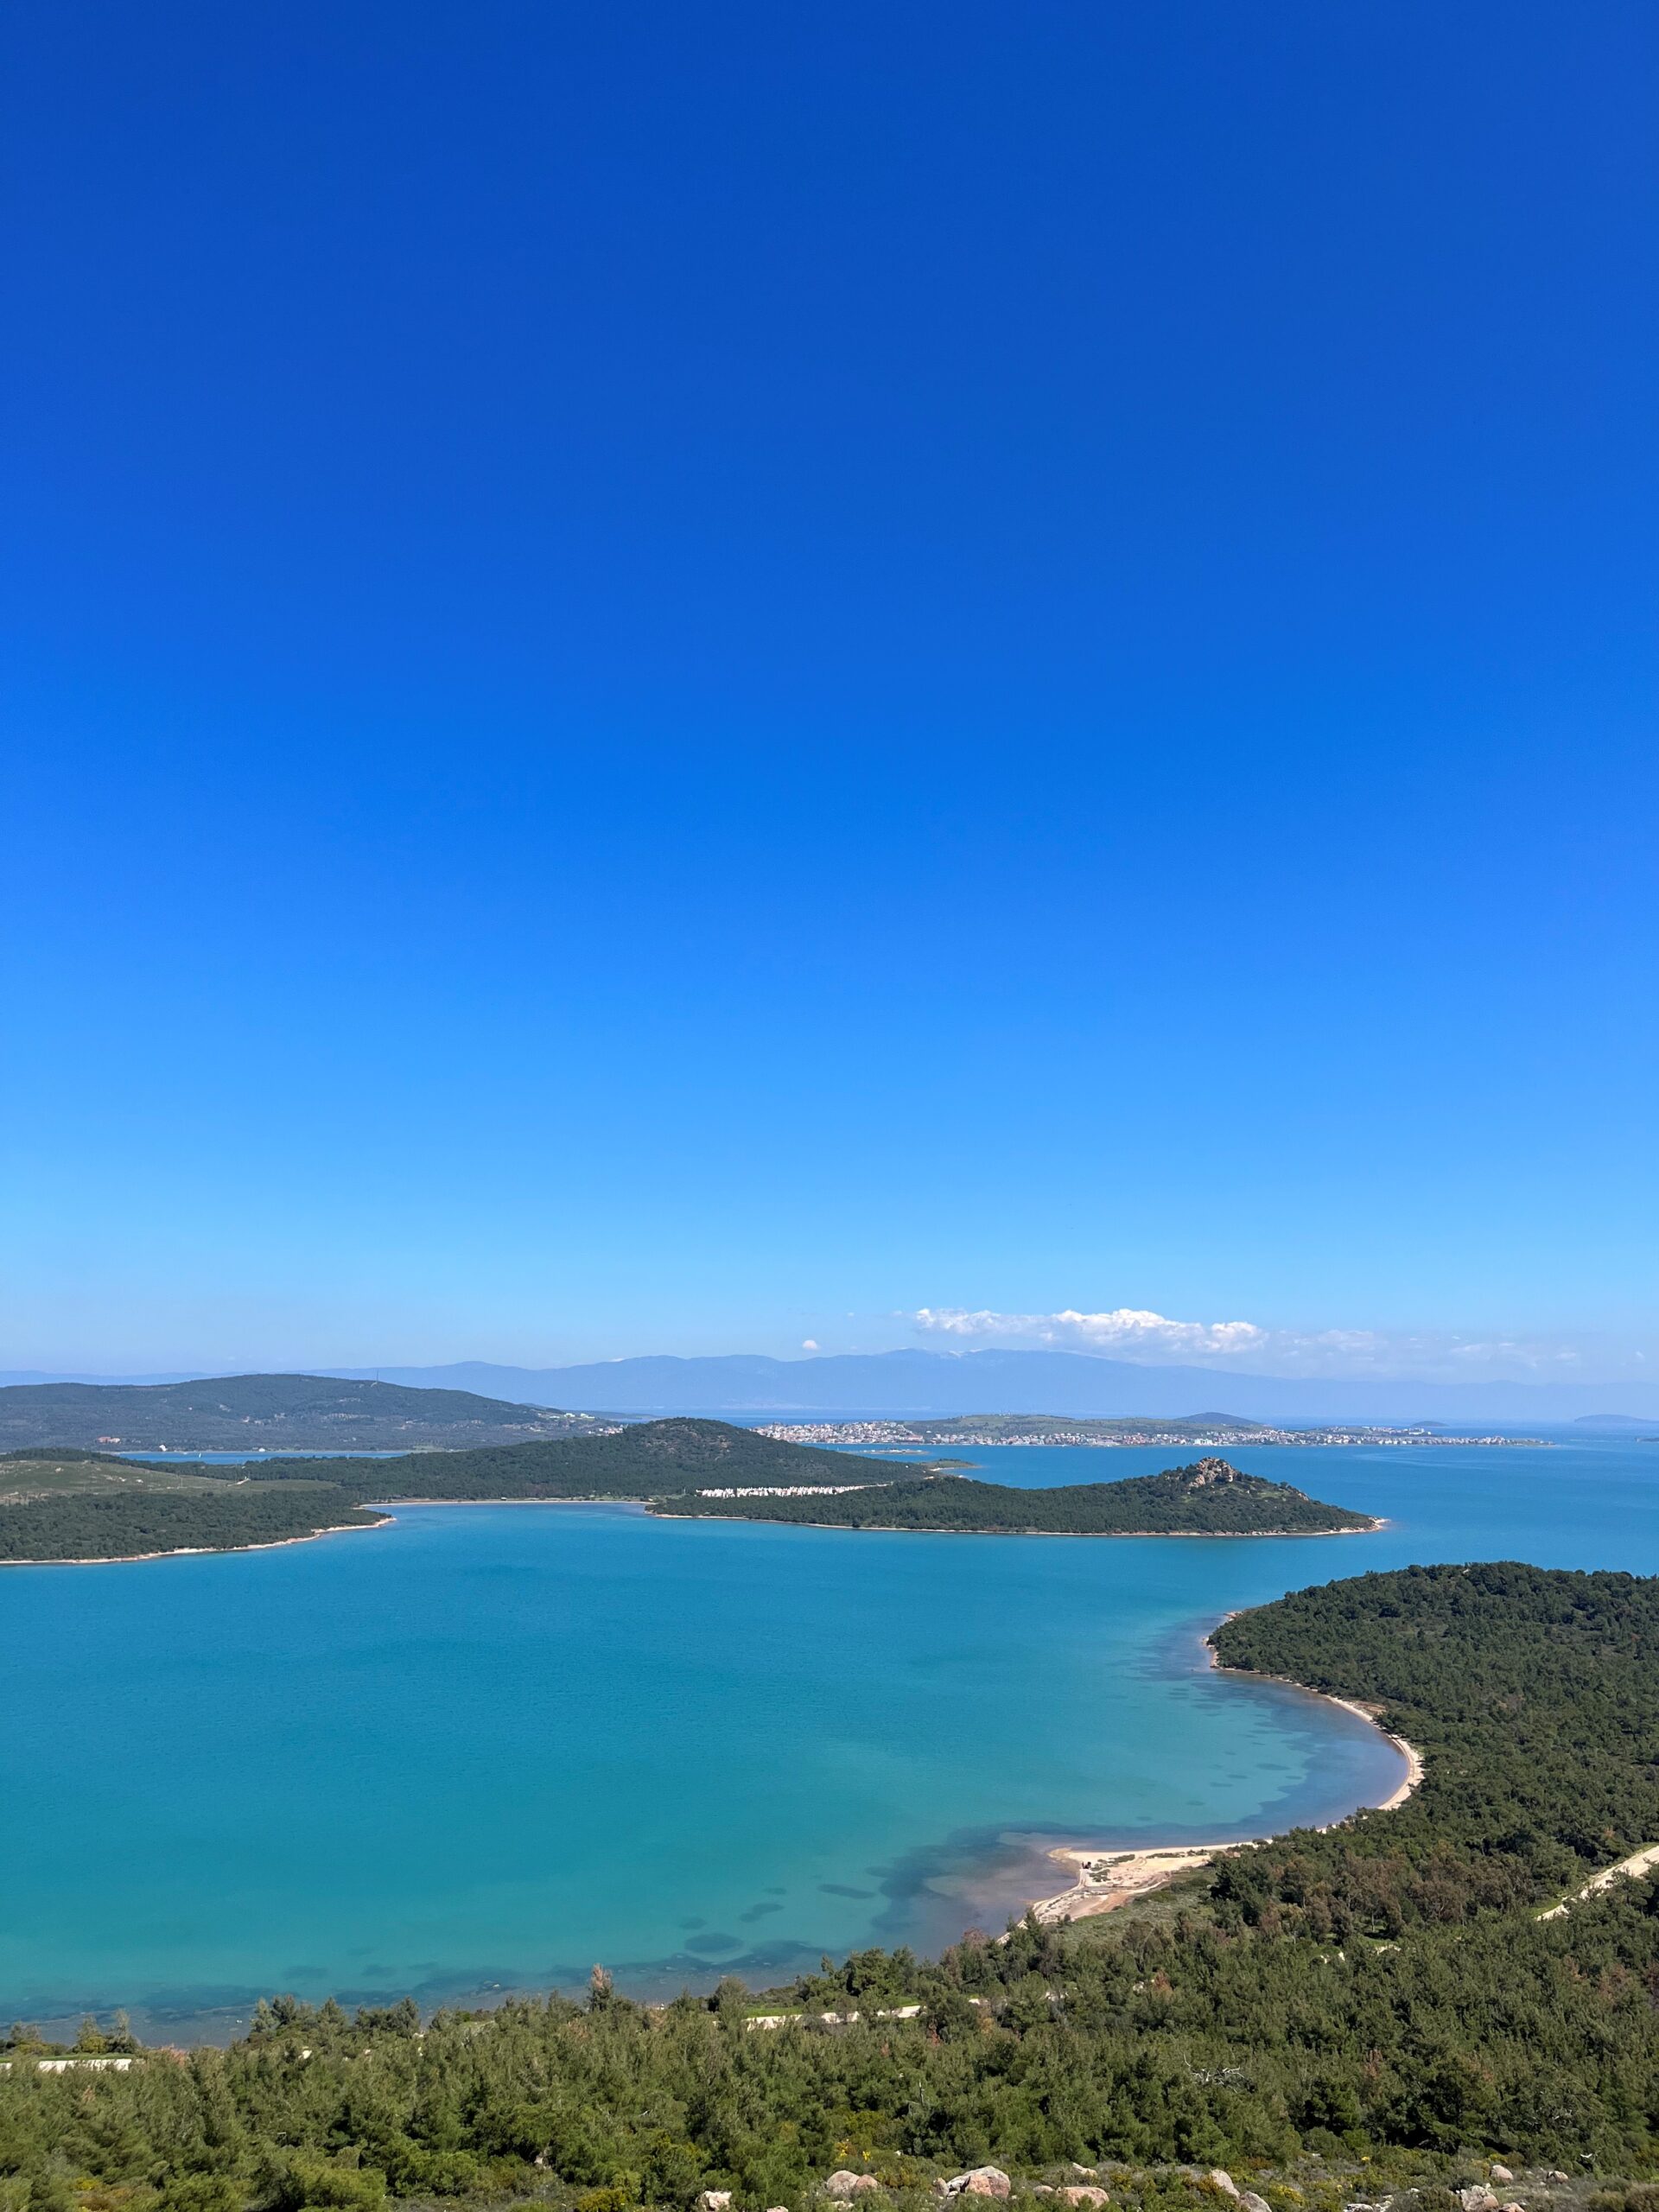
x: 681, y: 678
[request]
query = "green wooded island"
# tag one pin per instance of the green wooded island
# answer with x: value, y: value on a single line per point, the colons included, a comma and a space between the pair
x: 1207, y: 1498
x: 89, y: 1506
x: 1361, y: 2017
x: 278, y: 1413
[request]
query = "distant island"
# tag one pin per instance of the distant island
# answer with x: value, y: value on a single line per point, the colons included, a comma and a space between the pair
x: 1192, y: 1433
x: 92, y: 1506
x: 277, y: 1412
x: 1208, y: 1499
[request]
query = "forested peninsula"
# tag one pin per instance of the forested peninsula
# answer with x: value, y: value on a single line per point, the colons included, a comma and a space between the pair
x: 69, y: 1507
x: 1363, y: 2018
x: 1207, y: 1498
x: 89, y: 1506
x: 98, y: 1506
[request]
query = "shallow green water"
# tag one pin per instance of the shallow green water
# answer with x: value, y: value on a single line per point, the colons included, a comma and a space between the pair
x: 493, y: 1746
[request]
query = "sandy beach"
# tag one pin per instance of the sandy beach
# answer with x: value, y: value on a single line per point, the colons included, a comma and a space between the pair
x: 1103, y: 1880
x: 209, y: 1551
x: 1413, y: 1758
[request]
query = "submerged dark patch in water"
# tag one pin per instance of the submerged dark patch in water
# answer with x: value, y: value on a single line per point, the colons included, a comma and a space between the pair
x: 977, y: 1877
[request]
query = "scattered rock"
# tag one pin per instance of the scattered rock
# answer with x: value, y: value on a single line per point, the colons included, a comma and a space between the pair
x: 1555, y: 2176
x: 714, y: 2200
x: 1250, y: 2202
x: 1218, y: 2177
x: 1501, y: 2173
x: 979, y: 2181
x: 1477, y: 2198
x: 1083, y: 2173
x: 1081, y: 2192
x: 844, y: 2184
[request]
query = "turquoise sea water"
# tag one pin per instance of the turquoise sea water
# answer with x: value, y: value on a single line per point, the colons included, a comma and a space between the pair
x: 494, y: 1744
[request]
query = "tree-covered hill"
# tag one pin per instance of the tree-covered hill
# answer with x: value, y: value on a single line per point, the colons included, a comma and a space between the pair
x: 637, y: 1462
x: 1533, y: 1695
x: 100, y: 1506
x: 291, y: 1413
x: 90, y: 1510
x: 1336, y: 2041
x: 675, y: 1464
x: 1208, y: 1499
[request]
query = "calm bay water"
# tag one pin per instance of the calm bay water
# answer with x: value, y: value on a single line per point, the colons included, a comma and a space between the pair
x: 492, y: 1746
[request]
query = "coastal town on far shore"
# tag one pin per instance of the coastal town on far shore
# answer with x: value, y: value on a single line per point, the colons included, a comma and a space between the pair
x: 1034, y: 1429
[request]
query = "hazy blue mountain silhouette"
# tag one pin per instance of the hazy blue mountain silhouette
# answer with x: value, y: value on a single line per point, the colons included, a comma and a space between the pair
x: 999, y: 1381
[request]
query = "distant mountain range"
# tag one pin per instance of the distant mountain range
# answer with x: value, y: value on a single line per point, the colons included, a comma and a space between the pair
x: 943, y: 1383
x: 1022, y: 1383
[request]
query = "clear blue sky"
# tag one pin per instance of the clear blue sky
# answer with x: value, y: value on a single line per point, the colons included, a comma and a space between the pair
x: 685, y: 678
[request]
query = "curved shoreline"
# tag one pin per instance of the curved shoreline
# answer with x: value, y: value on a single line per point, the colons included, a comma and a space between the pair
x: 887, y: 1528
x: 1104, y: 1879
x: 212, y: 1551
x: 1126, y: 1874
x: 1413, y: 1758
x: 388, y: 1502
x: 384, y: 1507
x: 370, y: 1505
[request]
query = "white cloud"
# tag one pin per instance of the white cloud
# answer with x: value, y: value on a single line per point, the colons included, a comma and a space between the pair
x: 809, y: 1344
x: 1133, y: 1333
x: 1127, y: 1328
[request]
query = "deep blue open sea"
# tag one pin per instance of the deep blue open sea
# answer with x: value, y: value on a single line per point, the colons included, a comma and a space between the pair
x: 492, y: 1746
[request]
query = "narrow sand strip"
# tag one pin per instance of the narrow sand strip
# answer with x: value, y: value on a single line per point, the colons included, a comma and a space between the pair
x: 209, y: 1551
x: 1105, y: 1879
